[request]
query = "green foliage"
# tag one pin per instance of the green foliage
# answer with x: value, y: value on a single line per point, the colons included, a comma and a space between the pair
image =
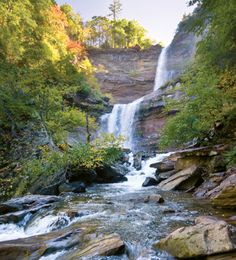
x: 118, y: 33
x: 230, y: 157
x: 209, y: 86
x: 41, y: 61
x: 102, y: 151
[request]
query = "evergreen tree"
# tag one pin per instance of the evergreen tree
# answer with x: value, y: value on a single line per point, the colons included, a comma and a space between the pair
x: 115, y: 9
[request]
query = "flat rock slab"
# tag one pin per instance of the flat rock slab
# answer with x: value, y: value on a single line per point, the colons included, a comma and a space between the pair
x: 108, y: 245
x: 26, y: 202
x: 179, y: 178
x: 163, y: 166
x: 208, y: 237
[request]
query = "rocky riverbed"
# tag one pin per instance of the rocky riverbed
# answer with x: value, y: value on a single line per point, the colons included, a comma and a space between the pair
x: 109, y: 221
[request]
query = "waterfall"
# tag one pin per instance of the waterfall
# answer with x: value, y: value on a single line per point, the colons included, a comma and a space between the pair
x: 120, y: 121
x: 162, y: 73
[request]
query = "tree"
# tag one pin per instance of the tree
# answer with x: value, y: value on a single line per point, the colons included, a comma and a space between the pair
x: 115, y: 9
x: 209, y: 86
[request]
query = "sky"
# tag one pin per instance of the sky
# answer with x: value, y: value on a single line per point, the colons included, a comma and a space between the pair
x: 159, y: 17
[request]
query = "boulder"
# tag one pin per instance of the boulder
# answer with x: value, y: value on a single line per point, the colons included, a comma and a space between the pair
x: 108, y: 245
x: 76, y: 187
x: 224, y: 195
x: 109, y: 174
x: 212, y: 181
x: 36, y: 246
x: 208, y: 237
x: 163, y: 166
x: 85, y: 175
x: 149, y: 181
x: 121, y: 168
x: 156, y: 198
x: 137, y: 164
x: 165, y: 175
x: 208, y: 157
x: 26, y: 202
x: 183, y: 180
x: 48, y: 185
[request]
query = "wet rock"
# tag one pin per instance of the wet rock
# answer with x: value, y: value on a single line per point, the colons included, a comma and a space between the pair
x: 227, y: 256
x: 183, y: 180
x: 149, y: 181
x: 36, y: 246
x: 121, y: 168
x: 209, y: 184
x: 168, y: 211
x: 109, y: 174
x: 156, y: 198
x: 26, y: 202
x: 164, y: 166
x: 224, y: 195
x: 232, y: 220
x: 108, y: 245
x: 16, y: 217
x: 84, y: 175
x: 76, y: 187
x: 165, y: 175
x: 137, y: 164
x: 208, y: 237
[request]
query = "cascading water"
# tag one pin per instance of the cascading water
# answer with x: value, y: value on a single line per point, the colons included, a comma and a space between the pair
x: 120, y: 121
x: 162, y: 74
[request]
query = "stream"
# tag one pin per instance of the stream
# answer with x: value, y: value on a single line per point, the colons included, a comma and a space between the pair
x: 116, y: 208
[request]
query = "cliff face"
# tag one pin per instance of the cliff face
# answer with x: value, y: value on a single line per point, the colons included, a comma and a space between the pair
x: 126, y: 74
x: 151, y: 117
x: 129, y: 74
x: 180, y: 53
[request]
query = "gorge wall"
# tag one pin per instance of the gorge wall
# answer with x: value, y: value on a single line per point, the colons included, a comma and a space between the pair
x: 126, y: 74
x: 151, y: 117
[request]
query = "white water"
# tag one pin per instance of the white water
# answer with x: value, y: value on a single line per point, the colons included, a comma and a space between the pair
x: 136, y: 178
x: 39, y: 225
x: 162, y: 73
x: 120, y: 121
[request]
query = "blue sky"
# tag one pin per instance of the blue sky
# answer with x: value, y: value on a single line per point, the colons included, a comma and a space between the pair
x: 159, y: 17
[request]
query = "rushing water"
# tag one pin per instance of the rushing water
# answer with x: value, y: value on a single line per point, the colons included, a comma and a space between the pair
x: 117, y: 208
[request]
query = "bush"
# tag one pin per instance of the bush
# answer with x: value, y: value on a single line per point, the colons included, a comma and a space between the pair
x: 102, y: 151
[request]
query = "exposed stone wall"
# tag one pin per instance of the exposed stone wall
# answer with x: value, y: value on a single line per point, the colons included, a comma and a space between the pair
x: 126, y: 74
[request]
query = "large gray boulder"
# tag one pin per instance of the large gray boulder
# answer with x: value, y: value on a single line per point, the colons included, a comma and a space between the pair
x: 76, y: 187
x: 207, y: 237
x: 109, y: 174
x: 149, y: 181
x: 183, y: 180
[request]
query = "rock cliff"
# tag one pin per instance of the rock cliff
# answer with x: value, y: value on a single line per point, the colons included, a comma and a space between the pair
x: 126, y: 74
x: 151, y: 117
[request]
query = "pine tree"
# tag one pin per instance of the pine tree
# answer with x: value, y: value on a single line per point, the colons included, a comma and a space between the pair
x: 115, y: 9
